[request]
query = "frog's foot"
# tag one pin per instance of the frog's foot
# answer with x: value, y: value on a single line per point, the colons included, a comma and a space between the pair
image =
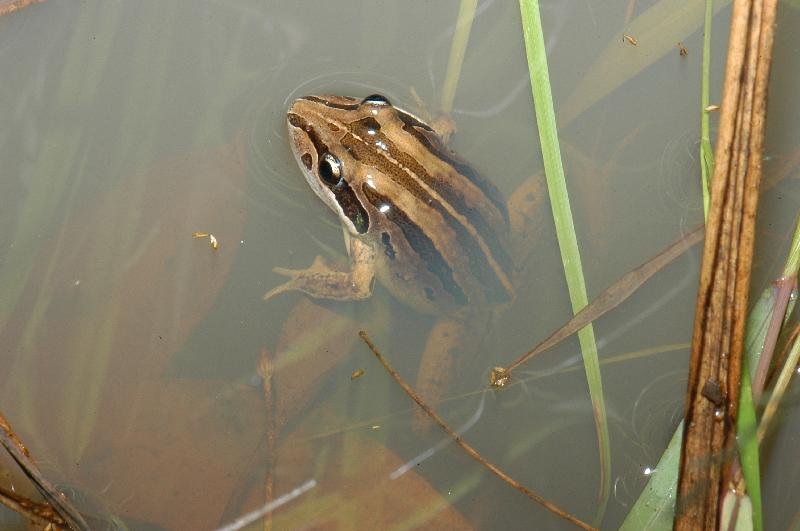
x: 444, y: 126
x: 441, y: 122
x: 322, y: 281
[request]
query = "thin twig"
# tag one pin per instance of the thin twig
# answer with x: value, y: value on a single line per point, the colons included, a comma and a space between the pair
x: 550, y: 506
x: 20, y: 454
x: 41, y: 514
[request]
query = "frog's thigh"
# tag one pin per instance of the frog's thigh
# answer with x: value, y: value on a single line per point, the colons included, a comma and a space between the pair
x: 321, y: 281
x: 437, y: 367
x: 527, y: 217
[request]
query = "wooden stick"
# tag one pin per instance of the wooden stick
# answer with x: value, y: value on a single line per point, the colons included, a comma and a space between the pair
x: 56, y: 499
x: 712, y: 397
x: 41, y: 514
x: 550, y: 506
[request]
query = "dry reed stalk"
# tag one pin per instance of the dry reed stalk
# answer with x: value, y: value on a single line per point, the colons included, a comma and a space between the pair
x: 712, y: 397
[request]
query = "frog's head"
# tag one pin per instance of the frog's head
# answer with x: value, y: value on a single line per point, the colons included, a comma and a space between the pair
x: 325, y: 132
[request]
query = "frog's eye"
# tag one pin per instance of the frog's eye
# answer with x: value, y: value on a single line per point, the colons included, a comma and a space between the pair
x: 376, y: 99
x: 330, y: 169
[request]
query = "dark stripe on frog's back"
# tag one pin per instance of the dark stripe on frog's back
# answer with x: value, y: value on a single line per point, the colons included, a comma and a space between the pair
x: 452, y: 193
x: 466, y: 249
x: 480, y: 266
x: 428, y: 137
x: 422, y: 245
x: 448, y: 185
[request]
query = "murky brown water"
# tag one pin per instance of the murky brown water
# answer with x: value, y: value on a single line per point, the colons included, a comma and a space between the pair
x: 129, y: 349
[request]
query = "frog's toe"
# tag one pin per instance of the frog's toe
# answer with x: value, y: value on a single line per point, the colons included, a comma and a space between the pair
x: 285, y: 271
x: 300, y: 279
x: 286, y: 286
x: 290, y: 285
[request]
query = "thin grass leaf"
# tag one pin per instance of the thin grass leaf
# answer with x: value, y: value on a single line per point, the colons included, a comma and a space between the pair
x: 757, y: 325
x: 748, y: 448
x: 706, y: 151
x: 655, y: 507
x: 565, y: 230
x: 792, y: 265
x: 466, y: 15
x: 743, y: 512
x: 787, y: 371
x: 784, y: 291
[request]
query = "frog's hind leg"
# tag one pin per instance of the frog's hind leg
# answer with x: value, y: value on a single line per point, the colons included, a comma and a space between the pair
x: 438, y: 367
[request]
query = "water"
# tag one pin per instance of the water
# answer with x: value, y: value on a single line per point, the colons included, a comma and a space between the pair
x: 130, y: 349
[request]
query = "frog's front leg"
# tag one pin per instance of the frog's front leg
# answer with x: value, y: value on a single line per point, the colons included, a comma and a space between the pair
x: 322, y: 281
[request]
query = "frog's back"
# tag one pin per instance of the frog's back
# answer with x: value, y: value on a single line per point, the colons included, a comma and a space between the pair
x: 444, y: 229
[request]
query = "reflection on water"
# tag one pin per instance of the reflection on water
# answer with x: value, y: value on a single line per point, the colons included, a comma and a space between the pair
x: 128, y: 346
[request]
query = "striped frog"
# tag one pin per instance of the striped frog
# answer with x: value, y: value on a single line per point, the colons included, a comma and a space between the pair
x: 415, y: 217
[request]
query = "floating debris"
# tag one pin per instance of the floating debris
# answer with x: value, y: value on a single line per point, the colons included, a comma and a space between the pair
x: 629, y: 39
x: 211, y: 238
x: 499, y: 377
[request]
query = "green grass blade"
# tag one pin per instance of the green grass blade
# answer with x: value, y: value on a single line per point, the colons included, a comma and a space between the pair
x: 565, y: 230
x: 706, y: 151
x: 748, y: 446
x: 784, y: 378
x: 757, y: 326
x: 655, y: 507
x: 792, y: 265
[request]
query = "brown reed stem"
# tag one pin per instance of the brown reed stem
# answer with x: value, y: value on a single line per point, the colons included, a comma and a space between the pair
x: 712, y: 397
